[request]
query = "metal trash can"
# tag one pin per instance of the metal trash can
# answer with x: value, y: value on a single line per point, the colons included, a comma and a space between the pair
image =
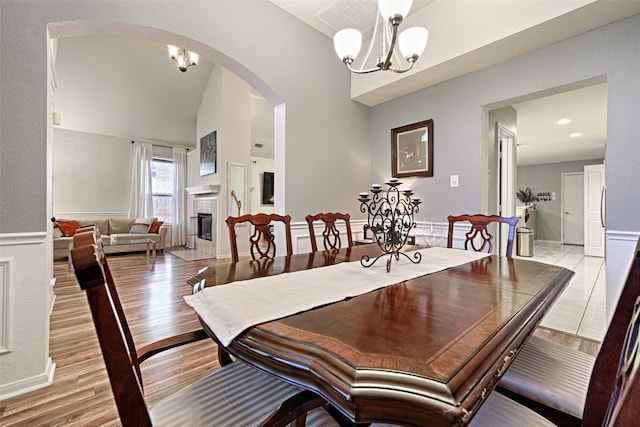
x: 525, y: 241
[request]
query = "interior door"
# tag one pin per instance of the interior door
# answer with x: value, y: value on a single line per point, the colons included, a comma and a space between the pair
x: 573, y: 208
x: 594, y: 221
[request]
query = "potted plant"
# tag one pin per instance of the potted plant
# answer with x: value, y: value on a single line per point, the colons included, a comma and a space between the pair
x: 526, y: 196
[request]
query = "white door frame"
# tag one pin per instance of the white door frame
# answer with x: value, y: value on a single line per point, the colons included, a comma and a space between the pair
x: 507, y: 170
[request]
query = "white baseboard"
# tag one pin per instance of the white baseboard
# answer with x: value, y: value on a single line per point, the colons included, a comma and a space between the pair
x: 29, y: 384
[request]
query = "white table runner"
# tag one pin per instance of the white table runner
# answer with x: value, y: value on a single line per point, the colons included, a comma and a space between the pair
x: 231, y: 308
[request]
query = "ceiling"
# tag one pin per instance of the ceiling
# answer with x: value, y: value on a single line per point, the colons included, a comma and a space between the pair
x: 541, y: 139
x: 130, y: 86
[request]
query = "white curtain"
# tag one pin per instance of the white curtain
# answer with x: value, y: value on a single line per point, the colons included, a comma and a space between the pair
x: 141, y: 195
x: 179, y: 228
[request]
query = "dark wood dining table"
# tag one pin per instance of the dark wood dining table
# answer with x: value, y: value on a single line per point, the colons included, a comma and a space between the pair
x: 423, y: 352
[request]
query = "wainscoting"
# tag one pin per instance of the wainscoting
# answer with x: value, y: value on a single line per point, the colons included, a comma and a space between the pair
x: 26, y: 299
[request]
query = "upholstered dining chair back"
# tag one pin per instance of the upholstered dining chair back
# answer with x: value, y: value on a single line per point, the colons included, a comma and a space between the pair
x: 614, y: 360
x: 623, y: 409
x: 234, y: 395
x: 479, y: 238
x: 572, y: 388
x: 262, y: 242
x: 331, y: 237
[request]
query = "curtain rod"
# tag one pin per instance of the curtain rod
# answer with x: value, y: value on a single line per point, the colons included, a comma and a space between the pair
x: 166, y: 146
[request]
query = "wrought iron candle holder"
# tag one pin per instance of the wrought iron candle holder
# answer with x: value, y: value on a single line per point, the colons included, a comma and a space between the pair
x: 390, y: 216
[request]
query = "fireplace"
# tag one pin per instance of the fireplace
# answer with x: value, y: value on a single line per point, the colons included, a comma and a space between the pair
x: 204, y: 226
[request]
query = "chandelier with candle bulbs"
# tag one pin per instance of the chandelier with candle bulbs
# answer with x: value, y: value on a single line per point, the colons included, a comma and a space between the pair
x: 411, y: 41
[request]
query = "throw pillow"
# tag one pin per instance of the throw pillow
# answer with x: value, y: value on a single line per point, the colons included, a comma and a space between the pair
x: 155, y: 226
x: 141, y: 226
x: 68, y: 227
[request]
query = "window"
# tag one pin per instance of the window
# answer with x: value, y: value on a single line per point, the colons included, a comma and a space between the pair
x: 162, y: 187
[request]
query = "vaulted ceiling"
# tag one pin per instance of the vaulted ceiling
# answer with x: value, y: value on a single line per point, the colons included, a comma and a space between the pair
x: 130, y: 88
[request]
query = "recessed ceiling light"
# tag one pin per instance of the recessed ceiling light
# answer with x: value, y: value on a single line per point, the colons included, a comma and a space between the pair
x: 562, y: 122
x: 575, y: 135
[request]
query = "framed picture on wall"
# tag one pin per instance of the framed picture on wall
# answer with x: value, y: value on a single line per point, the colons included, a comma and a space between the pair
x: 267, y: 188
x: 412, y: 150
x: 208, y: 154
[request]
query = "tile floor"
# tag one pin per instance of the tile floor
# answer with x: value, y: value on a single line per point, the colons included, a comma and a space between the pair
x: 581, y: 308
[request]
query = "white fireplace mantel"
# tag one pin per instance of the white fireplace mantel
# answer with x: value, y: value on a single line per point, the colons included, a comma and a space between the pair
x: 203, y: 189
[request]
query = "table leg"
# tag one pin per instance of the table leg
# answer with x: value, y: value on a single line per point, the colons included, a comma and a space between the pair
x: 151, y: 251
x: 70, y: 265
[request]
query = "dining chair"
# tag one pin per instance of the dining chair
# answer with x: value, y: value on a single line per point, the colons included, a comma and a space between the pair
x: 623, y: 407
x: 234, y: 395
x: 570, y: 387
x: 262, y: 242
x: 330, y: 234
x: 478, y: 237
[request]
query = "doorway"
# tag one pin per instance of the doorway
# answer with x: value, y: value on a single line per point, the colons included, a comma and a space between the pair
x: 548, y: 147
x: 146, y: 46
x: 506, y: 163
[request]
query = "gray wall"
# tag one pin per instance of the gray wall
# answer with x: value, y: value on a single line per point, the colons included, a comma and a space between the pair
x: 548, y: 178
x: 459, y: 110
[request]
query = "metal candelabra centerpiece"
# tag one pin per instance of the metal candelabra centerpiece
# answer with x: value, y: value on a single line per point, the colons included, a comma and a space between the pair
x: 390, y: 216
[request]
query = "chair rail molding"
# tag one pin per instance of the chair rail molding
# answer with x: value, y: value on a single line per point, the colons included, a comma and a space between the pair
x: 91, y: 215
x: 302, y: 240
x: 13, y: 239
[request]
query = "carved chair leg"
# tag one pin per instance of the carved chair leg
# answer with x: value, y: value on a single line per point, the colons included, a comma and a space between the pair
x: 224, y: 358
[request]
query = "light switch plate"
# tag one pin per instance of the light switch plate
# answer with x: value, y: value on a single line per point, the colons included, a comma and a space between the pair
x: 454, y: 181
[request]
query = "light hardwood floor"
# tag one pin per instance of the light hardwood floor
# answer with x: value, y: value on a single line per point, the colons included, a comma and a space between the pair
x: 152, y: 299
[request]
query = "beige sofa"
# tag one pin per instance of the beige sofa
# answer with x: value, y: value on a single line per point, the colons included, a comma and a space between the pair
x: 112, y: 230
